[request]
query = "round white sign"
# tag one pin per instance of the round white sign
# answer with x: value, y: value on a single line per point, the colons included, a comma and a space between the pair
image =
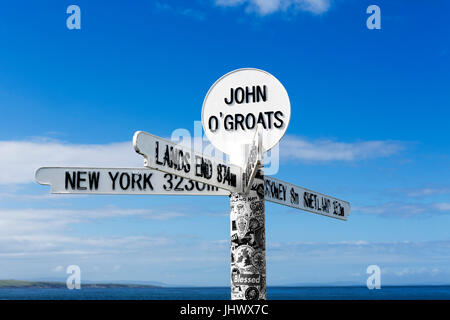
x: 238, y: 102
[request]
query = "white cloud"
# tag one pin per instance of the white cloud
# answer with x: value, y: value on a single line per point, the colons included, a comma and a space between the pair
x: 29, y: 222
x: 314, y: 6
x: 20, y: 159
x: 58, y: 269
x: 443, y: 206
x: 147, y: 257
x: 392, y: 209
x: 48, y: 232
x: 401, y: 252
x: 295, y: 148
x: 428, y: 192
x: 179, y: 10
x: 265, y: 7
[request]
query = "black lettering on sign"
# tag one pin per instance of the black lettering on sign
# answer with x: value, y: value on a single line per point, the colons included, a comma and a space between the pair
x: 294, y: 197
x: 198, y: 166
x: 169, y: 178
x: 173, y: 158
x: 206, y: 168
x: 233, y: 180
x: 219, y: 173
x: 239, y: 120
x: 211, y: 188
x: 213, y: 126
x: 308, y: 200
x: 136, y: 180
x: 177, y: 187
x: 76, y: 179
x: 269, y: 118
x: 187, y: 165
x: 147, y: 177
x: 225, y: 176
x: 261, y: 94
x: 282, y: 192
x: 94, y: 178
x: 280, y: 123
x: 157, y: 154
x: 228, y: 177
x: 80, y: 179
x: 274, y: 190
x: 167, y: 161
x: 238, y: 95
x: 338, y: 209
x: 198, y: 184
x: 203, y: 167
x: 250, y: 121
x: 191, y: 185
x: 316, y: 203
x: 249, y: 93
x: 70, y: 179
x: 179, y: 160
x: 113, y: 179
x: 326, y: 205
x: 228, y: 123
x: 230, y: 101
x: 261, y: 120
x: 124, y: 183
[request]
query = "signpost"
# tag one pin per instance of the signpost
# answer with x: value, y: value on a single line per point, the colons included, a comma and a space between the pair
x: 245, y: 113
x: 236, y: 105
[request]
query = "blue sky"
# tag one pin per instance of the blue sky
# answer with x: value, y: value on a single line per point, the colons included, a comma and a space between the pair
x: 369, y: 124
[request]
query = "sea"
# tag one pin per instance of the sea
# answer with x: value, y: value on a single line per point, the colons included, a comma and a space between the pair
x: 223, y: 293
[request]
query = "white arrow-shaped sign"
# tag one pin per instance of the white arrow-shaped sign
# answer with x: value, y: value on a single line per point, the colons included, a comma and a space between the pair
x: 169, y: 157
x: 287, y: 194
x: 78, y: 180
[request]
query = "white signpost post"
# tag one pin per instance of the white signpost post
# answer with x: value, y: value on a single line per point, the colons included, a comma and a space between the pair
x: 245, y: 113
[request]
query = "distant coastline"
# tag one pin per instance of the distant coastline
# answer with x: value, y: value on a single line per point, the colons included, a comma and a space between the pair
x: 11, y: 284
x: 44, y: 284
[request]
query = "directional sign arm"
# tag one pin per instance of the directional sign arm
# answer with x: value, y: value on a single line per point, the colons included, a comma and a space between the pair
x: 119, y: 181
x: 287, y: 194
x: 167, y: 156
